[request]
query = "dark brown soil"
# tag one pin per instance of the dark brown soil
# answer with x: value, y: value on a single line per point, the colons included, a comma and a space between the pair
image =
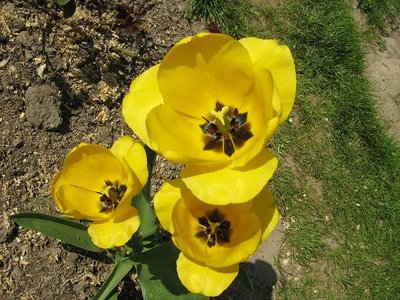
x: 61, y: 83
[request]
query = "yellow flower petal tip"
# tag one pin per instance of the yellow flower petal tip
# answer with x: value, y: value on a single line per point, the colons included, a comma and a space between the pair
x: 97, y: 184
x: 200, y: 279
x: 213, y: 239
x: 214, y: 101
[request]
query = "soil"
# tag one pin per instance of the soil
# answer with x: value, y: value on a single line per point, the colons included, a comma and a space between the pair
x: 383, y: 72
x: 62, y: 80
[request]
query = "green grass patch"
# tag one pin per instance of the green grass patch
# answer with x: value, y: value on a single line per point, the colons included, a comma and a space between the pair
x: 338, y: 185
x: 230, y: 16
x: 379, y: 12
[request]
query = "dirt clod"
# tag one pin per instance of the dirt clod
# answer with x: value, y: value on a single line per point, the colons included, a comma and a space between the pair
x: 43, y: 107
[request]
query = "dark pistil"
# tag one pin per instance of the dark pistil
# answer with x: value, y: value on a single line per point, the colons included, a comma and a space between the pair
x: 214, y: 229
x: 219, y: 140
x: 115, y: 194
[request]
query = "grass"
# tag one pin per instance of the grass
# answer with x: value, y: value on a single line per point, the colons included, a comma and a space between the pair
x: 229, y: 15
x: 379, y: 12
x: 338, y: 186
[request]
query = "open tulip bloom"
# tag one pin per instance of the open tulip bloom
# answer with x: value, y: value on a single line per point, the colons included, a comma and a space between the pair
x: 213, y: 239
x: 213, y: 103
x: 98, y: 184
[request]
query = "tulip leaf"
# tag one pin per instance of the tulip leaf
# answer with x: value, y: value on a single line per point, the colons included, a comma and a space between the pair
x: 146, y: 212
x: 161, y: 282
x: 164, y: 254
x: 244, y: 279
x: 62, y: 2
x: 121, y: 268
x: 158, y: 277
x: 68, y: 231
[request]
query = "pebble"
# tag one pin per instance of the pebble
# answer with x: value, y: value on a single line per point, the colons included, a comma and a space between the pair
x: 3, y: 38
x: 43, y: 107
x: 17, y: 142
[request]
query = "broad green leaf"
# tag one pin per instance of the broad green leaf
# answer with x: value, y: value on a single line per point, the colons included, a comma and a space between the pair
x: 121, y: 268
x: 161, y: 282
x: 158, y: 277
x: 68, y: 231
x: 244, y: 279
x: 62, y: 2
x: 146, y: 212
x: 163, y: 254
x: 113, y: 296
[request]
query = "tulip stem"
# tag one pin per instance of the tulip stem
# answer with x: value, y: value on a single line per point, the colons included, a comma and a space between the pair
x: 149, y: 232
x: 151, y: 159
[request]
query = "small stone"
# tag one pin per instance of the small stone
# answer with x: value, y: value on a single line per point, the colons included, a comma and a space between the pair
x: 25, y: 39
x: 43, y: 107
x: 3, y: 38
x: 17, y: 142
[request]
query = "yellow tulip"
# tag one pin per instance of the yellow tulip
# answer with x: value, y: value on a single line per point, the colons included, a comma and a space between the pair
x: 98, y: 184
x: 213, y: 239
x: 213, y: 103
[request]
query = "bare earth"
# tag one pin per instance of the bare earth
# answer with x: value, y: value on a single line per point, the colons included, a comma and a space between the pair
x: 384, y: 73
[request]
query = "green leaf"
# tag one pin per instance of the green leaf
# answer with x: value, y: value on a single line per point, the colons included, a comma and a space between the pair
x: 161, y: 282
x: 244, y: 279
x: 113, y: 296
x: 121, y: 268
x: 158, y: 277
x: 163, y: 254
x: 146, y: 212
x: 62, y: 2
x: 68, y: 231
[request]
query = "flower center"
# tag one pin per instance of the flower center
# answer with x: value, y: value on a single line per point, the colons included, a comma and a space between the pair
x: 214, y: 229
x: 227, y: 129
x: 111, y: 196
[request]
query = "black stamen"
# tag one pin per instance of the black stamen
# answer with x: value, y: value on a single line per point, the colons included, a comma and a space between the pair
x: 222, y: 237
x: 215, y: 216
x: 218, y: 106
x: 203, y: 233
x: 104, y: 198
x: 204, y: 222
x: 225, y: 225
x: 229, y: 149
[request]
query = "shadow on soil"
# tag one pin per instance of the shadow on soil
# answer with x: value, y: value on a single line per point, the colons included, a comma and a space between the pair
x: 263, y: 277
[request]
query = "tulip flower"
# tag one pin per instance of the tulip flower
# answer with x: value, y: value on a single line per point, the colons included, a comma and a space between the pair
x: 213, y: 239
x: 213, y: 103
x: 98, y: 184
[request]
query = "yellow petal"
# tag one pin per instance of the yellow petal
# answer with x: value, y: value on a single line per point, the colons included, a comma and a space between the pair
x: 198, y: 278
x: 278, y: 60
x: 142, y: 97
x: 178, y: 137
x: 206, y: 69
x: 117, y: 230
x: 133, y: 153
x: 262, y: 117
x: 244, y: 238
x: 88, y: 166
x: 74, y: 201
x: 268, y: 214
x: 165, y: 200
x: 221, y: 186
